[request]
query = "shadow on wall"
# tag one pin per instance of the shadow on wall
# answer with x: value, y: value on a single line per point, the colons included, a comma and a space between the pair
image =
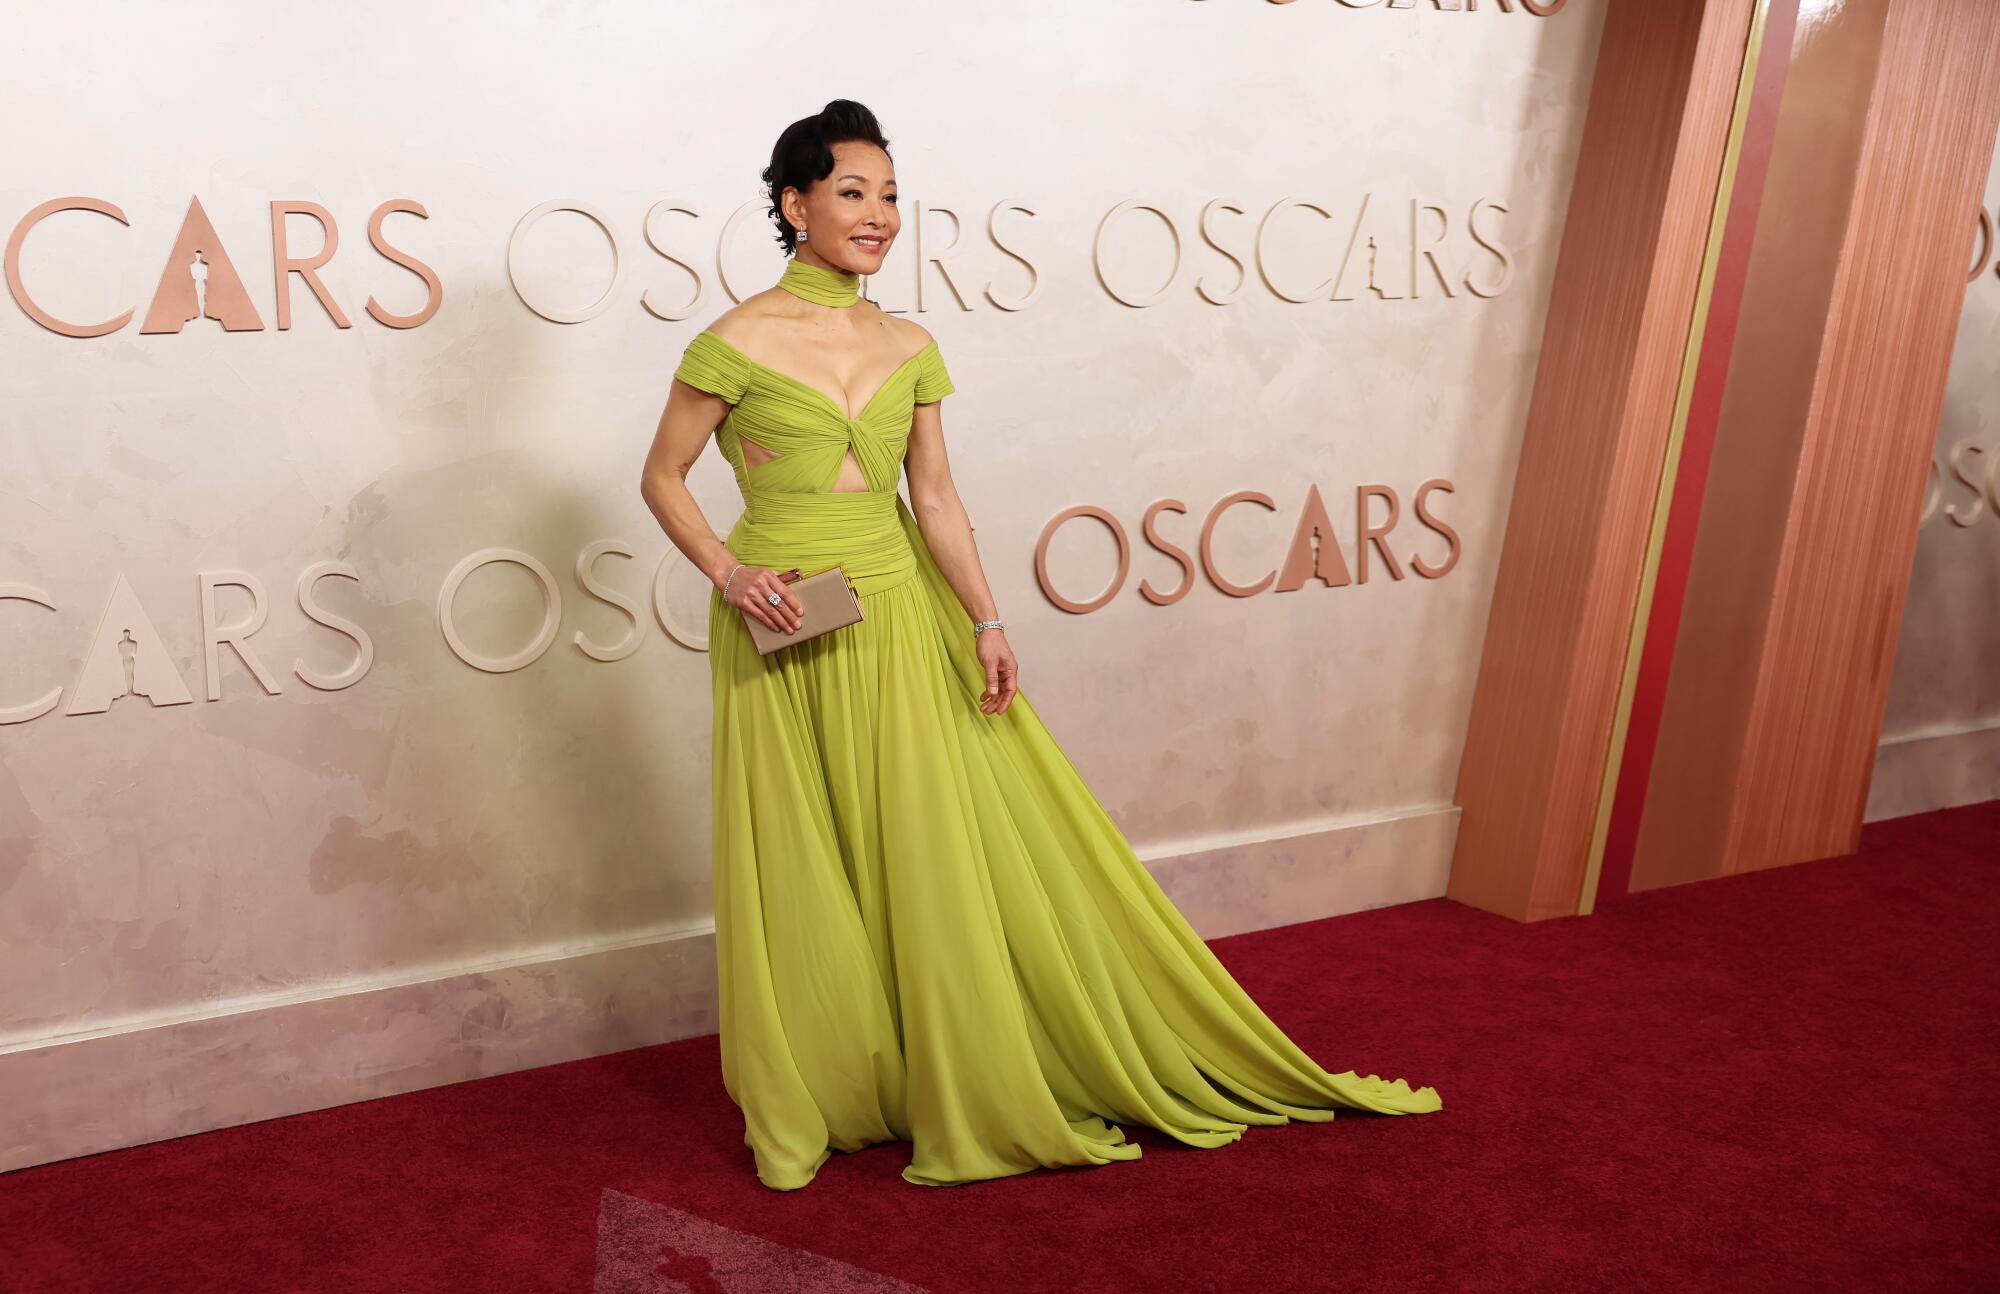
x: 585, y: 781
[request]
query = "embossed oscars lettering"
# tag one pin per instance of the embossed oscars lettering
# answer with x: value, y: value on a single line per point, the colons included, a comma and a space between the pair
x: 199, y: 279
x: 1983, y: 258
x: 1972, y: 492
x: 1386, y: 254
x: 1963, y: 484
x: 1383, y: 249
x: 1538, y: 8
x: 1313, y: 553
x: 127, y: 656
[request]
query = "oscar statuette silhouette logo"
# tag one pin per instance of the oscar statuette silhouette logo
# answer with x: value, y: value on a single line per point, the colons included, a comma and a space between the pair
x: 199, y: 270
x: 126, y: 658
x: 200, y: 282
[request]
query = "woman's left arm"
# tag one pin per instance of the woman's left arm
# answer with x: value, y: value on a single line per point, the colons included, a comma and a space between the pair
x: 941, y: 516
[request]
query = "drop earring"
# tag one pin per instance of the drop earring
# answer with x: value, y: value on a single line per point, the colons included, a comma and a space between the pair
x: 802, y: 235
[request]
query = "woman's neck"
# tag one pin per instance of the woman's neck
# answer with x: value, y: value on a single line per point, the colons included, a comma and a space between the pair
x: 819, y: 284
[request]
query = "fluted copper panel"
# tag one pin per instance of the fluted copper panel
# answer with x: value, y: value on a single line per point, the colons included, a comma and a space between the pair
x: 1598, y: 422
x: 1760, y: 431
x: 1809, y: 526
x: 1845, y: 567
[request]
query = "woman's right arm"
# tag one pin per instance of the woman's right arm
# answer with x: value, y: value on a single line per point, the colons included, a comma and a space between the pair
x: 689, y: 420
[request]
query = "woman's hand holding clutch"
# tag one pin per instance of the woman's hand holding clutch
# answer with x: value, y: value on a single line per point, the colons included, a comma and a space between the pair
x: 749, y: 590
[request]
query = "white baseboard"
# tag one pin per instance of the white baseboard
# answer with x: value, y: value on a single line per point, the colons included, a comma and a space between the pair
x: 85, y: 1093
x: 1231, y: 886
x: 1935, y: 768
x: 131, y: 1082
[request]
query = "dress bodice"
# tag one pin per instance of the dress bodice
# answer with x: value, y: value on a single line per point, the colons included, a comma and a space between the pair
x: 802, y: 425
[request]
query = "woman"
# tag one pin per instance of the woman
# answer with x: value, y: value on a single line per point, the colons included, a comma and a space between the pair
x: 927, y: 928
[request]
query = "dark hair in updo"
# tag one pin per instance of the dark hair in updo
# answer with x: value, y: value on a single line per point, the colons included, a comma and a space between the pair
x: 804, y: 155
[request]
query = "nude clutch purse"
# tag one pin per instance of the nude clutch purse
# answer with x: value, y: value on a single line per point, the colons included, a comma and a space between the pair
x: 829, y: 602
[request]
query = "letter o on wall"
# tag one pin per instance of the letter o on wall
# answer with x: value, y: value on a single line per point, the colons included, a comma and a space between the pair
x: 1042, y: 558
x: 551, y: 611
x: 527, y: 223
x: 1097, y: 250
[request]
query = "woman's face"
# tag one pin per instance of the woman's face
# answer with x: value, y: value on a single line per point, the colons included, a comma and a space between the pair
x: 850, y: 217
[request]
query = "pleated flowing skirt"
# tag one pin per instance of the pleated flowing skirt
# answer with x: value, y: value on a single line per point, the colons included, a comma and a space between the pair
x: 927, y: 927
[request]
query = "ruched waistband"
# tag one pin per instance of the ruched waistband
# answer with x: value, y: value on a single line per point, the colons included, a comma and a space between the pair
x: 859, y: 531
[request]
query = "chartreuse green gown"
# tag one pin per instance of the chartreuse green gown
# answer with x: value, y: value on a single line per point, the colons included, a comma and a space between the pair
x: 927, y: 927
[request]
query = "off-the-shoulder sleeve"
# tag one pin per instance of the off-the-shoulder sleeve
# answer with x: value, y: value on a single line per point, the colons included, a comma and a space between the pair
x: 710, y: 364
x: 933, y: 383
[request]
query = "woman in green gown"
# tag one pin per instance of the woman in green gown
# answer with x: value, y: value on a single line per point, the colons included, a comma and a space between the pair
x: 927, y: 928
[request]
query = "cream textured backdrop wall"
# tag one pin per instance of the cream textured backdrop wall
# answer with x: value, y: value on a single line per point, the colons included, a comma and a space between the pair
x: 1941, y: 727
x: 235, y: 908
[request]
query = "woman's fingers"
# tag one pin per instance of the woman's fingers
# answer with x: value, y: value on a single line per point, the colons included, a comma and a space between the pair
x: 755, y: 605
x: 791, y: 611
x: 785, y: 615
x: 1001, y: 671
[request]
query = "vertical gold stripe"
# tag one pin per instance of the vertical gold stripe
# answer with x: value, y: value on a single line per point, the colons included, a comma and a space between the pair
x: 1642, y: 611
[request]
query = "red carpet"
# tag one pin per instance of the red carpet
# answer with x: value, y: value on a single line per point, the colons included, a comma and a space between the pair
x: 1775, y: 1081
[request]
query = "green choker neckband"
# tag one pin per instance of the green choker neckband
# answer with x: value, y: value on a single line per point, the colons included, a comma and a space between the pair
x: 814, y: 283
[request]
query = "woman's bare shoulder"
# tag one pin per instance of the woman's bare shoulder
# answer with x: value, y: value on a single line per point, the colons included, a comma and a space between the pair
x: 743, y: 323
x: 912, y: 335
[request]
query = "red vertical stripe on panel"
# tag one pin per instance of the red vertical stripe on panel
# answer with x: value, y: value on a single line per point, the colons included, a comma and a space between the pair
x: 1745, y: 199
